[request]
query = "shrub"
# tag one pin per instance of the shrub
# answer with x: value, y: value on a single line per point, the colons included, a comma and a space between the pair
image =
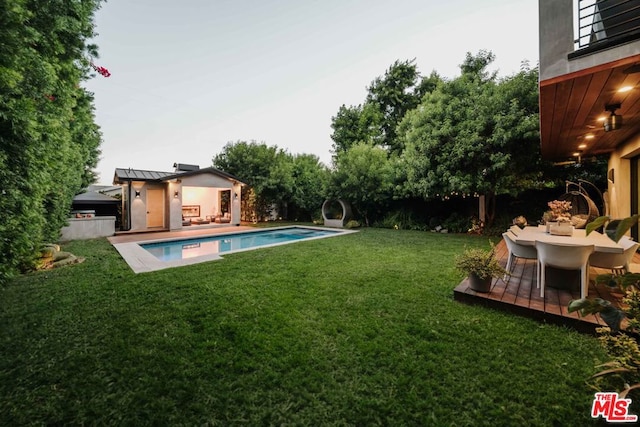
x: 434, y: 222
x: 481, y: 262
x: 352, y: 224
x: 619, y: 342
x: 457, y: 223
x: 401, y: 220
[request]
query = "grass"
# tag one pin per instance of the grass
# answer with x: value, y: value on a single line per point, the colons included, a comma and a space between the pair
x: 353, y: 330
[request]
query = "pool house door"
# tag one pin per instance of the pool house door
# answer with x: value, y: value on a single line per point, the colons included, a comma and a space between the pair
x: 155, y: 207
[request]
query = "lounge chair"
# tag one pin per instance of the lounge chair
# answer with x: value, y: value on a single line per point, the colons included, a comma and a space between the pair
x: 226, y: 218
x: 200, y: 221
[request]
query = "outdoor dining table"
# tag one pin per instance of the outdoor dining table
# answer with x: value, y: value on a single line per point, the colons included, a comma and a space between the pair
x: 558, y: 278
x: 529, y: 235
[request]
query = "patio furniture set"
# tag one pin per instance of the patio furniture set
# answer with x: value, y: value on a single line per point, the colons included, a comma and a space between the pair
x: 219, y: 218
x: 568, y: 251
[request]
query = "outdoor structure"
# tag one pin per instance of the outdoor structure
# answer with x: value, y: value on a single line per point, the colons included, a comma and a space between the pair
x: 188, y: 196
x: 88, y: 227
x: 590, y: 90
x: 94, y: 203
x: 93, y: 214
x: 333, y: 216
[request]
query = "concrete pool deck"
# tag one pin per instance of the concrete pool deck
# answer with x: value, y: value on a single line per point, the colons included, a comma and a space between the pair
x: 142, y: 261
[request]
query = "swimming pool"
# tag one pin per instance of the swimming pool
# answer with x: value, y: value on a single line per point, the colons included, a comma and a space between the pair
x: 190, y: 248
x: 155, y: 255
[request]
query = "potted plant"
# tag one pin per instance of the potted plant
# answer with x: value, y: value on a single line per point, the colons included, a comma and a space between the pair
x: 558, y: 218
x: 520, y: 221
x: 615, y: 229
x: 481, y: 266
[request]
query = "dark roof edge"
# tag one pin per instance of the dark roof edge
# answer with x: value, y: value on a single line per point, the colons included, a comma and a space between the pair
x: 167, y: 175
x: 127, y: 174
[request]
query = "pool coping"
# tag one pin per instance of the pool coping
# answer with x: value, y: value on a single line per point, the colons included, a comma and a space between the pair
x: 142, y: 261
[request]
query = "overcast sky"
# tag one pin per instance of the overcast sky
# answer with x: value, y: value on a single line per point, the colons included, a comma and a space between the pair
x: 189, y: 76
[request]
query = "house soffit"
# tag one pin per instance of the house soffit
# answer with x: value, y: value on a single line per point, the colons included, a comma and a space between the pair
x: 572, y: 109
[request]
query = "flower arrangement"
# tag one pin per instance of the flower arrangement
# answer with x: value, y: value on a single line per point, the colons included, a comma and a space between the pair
x: 560, y: 211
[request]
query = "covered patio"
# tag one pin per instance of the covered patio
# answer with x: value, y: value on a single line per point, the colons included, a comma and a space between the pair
x: 519, y: 295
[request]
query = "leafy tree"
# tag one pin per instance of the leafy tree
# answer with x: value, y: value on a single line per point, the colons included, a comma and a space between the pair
x: 310, y: 180
x: 267, y: 170
x: 86, y: 136
x: 394, y: 94
x: 474, y: 135
x: 364, y: 176
x: 389, y: 98
x: 355, y: 124
x: 45, y: 155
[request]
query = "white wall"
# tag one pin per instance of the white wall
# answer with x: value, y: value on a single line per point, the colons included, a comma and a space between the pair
x: 138, y: 212
x: 175, y: 205
x: 620, y: 189
x: 89, y: 228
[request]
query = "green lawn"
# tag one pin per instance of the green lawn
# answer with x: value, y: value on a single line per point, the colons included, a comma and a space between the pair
x: 359, y: 329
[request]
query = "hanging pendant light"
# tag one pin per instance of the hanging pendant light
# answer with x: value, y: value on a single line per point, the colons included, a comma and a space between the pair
x: 614, y: 121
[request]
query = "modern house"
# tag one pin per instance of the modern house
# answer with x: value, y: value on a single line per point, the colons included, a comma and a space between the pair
x: 590, y: 90
x: 188, y: 196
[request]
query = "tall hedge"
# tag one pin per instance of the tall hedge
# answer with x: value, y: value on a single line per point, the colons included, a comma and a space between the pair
x: 48, y: 137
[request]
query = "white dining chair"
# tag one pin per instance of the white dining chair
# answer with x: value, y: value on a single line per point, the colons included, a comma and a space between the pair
x: 566, y: 257
x: 517, y: 250
x: 618, y: 263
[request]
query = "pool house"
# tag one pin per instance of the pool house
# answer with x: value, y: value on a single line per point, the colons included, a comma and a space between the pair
x: 187, y: 197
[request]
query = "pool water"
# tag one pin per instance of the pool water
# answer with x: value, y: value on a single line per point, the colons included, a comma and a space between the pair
x: 191, y: 248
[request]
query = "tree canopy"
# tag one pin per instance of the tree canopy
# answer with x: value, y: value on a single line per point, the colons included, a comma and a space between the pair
x: 474, y: 135
x: 412, y: 141
x: 389, y: 98
x: 355, y: 124
x: 393, y: 95
x: 275, y: 177
x: 48, y: 138
x: 364, y: 175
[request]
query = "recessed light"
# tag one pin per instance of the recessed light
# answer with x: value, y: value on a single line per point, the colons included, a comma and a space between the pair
x: 625, y: 89
x: 602, y: 118
x: 589, y: 136
x: 582, y: 146
x: 576, y: 154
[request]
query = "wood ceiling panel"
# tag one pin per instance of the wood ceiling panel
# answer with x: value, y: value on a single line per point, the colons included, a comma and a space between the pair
x: 586, y: 120
x: 571, y: 105
x: 591, y: 99
x: 563, y: 92
x: 547, y: 96
x: 575, y: 109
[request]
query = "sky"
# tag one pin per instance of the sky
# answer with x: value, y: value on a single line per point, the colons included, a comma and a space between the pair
x: 189, y: 77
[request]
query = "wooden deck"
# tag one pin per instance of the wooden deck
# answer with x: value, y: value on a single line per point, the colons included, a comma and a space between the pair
x: 519, y: 294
